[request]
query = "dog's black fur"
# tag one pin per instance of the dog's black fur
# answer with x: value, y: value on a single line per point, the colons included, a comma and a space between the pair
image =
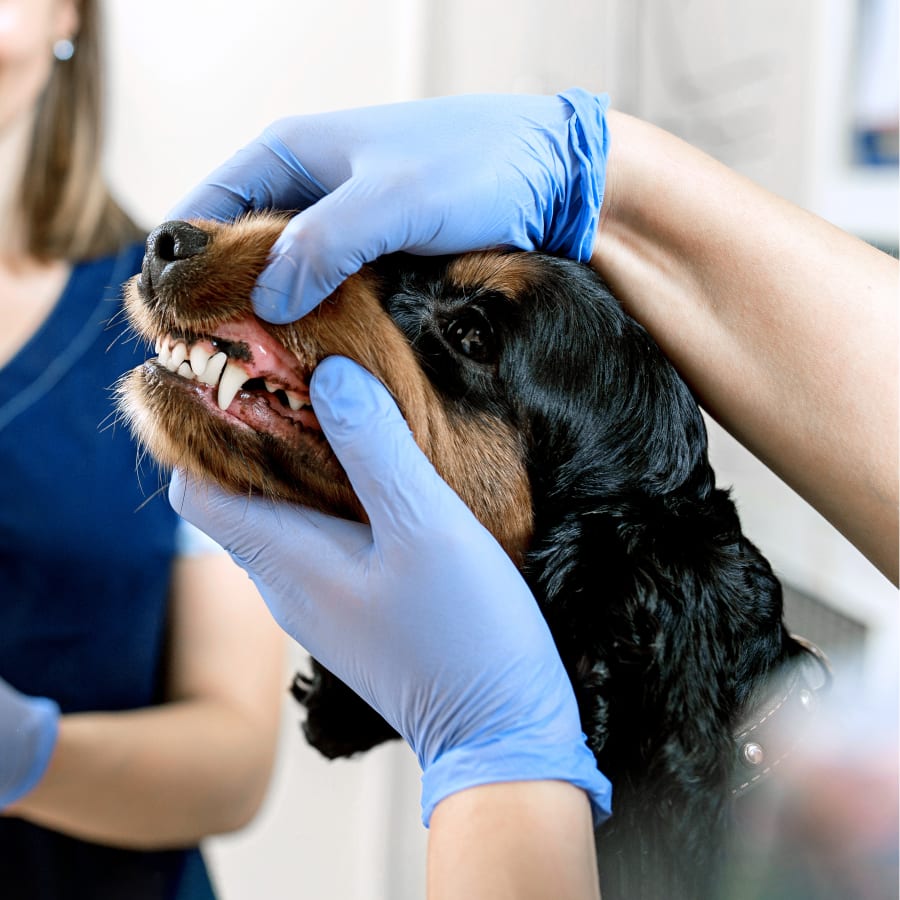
x: 667, y: 617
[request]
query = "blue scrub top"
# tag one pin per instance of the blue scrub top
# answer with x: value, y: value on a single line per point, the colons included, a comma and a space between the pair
x: 85, y: 561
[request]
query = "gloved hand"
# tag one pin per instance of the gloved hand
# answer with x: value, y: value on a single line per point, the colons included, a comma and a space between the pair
x: 444, y: 175
x: 422, y: 613
x: 28, y: 729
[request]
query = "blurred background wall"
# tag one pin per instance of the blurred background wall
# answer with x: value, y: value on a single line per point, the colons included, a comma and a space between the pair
x: 799, y: 96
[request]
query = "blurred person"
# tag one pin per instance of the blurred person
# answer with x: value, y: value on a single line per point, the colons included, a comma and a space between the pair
x: 140, y: 674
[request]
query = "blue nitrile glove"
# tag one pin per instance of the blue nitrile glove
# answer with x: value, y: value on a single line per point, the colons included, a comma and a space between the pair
x: 443, y: 175
x: 422, y: 614
x: 28, y: 729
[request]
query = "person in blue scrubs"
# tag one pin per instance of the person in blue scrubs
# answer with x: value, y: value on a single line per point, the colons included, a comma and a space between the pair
x: 140, y: 673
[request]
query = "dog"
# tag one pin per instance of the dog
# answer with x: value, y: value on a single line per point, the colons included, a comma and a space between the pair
x: 561, y: 424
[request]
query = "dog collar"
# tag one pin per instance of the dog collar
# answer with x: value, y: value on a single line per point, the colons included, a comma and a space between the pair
x: 765, y: 738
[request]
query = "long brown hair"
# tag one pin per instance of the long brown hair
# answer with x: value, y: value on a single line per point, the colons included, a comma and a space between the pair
x: 68, y: 210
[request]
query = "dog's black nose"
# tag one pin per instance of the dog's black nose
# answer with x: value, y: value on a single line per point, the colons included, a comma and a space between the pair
x: 168, y: 245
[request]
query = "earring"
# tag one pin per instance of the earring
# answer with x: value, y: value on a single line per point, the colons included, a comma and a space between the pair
x: 63, y: 49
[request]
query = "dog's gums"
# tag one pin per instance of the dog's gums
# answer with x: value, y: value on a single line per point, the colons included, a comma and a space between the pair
x: 559, y: 422
x: 246, y: 365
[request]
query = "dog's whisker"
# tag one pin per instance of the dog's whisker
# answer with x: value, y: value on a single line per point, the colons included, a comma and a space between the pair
x: 160, y: 490
x: 127, y: 334
x: 110, y: 421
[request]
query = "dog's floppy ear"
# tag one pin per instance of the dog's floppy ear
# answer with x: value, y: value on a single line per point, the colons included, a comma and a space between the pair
x: 602, y: 409
x: 639, y: 561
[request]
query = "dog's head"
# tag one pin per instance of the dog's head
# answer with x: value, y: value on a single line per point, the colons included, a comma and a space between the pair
x: 228, y: 394
x: 510, y: 369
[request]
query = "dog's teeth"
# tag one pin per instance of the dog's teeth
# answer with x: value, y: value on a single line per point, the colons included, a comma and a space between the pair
x: 163, y: 353
x: 232, y: 379
x: 295, y: 401
x: 179, y: 355
x: 270, y: 387
x: 213, y: 370
x: 158, y: 346
x: 199, y: 359
x: 185, y: 371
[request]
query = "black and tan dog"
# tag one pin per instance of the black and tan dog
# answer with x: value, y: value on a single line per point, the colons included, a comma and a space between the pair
x: 559, y: 422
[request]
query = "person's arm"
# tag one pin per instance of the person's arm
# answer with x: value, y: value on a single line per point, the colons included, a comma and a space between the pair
x: 197, y: 765
x: 785, y: 326
x: 526, y: 840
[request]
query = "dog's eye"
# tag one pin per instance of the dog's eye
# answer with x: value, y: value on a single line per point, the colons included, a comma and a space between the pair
x: 471, y: 335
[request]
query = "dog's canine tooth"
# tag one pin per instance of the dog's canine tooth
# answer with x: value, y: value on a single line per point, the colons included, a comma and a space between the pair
x: 271, y: 387
x: 163, y: 353
x: 294, y: 400
x: 213, y: 370
x: 232, y: 379
x: 199, y: 358
x: 179, y: 355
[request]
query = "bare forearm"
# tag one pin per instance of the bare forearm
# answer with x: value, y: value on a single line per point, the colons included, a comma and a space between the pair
x: 153, y: 778
x: 169, y: 775
x: 519, y: 840
x: 785, y: 327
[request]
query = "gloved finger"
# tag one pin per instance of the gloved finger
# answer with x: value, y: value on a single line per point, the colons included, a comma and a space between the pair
x: 28, y: 732
x: 256, y: 529
x: 265, y: 174
x: 294, y: 555
x: 396, y: 483
x: 327, y: 242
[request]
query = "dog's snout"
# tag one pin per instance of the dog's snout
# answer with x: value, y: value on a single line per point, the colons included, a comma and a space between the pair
x: 169, y: 245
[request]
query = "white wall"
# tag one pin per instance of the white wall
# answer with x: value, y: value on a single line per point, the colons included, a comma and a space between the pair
x: 194, y: 79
